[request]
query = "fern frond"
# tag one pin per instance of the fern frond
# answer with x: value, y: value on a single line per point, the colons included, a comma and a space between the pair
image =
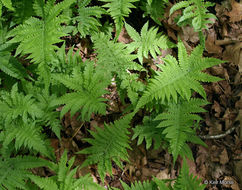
x: 23, y: 10
x: 27, y: 135
x: 14, y: 171
x: 6, y: 3
x: 148, y: 131
x: 16, y: 105
x: 179, y: 79
x: 87, y: 23
x: 108, y: 145
x: 118, y: 9
x: 64, y: 178
x: 187, y: 181
x: 177, y: 122
x: 37, y: 36
x: 149, y: 41
x: 195, y: 13
x: 155, y: 8
x: 89, y: 86
x: 140, y: 186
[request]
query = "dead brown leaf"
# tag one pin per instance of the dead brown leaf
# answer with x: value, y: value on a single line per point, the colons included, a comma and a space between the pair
x: 210, y: 45
x: 223, y: 158
x: 236, y: 13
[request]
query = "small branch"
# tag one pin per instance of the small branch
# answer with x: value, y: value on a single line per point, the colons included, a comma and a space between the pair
x: 220, y: 135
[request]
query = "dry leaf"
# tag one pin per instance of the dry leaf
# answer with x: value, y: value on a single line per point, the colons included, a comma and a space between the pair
x: 236, y: 13
x: 223, y: 158
x: 210, y: 45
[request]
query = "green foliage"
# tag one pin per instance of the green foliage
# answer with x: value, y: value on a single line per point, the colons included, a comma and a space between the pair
x: 64, y: 178
x: 195, y: 13
x: 180, y: 78
x: 89, y: 86
x: 154, y: 8
x: 149, y: 41
x: 186, y: 181
x: 108, y: 144
x: 37, y: 36
x: 148, y: 131
x: 6, y: 3
x: 87, y: 23
x: 118, y: 9
x: 140, y: 186
x: 177, y: 122
x: 15, y: 171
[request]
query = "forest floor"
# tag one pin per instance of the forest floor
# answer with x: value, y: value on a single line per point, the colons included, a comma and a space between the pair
x: 220, y: 164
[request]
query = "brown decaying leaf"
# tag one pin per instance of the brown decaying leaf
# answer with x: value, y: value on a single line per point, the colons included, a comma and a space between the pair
x: 210, y: 45
x: 236, y: 13
x: 223, y: 157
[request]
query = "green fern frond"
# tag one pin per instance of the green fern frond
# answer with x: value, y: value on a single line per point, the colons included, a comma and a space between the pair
x: 195, y: 13
x: 89, y: 86
x: 27, y: 135
x: 149, y: 132
x: 180, y: 79
x: 177, y: 122
x: 87, y: 19
x: 149, y: 41
x: 37, y: 36
x: 118, y: 9
x: 23, y: 10
x: 16, y: 105
x: 6, y: 3
x: 64, y: 178
x: 186, y: 181
x: 146, y: 185
x: 108, y: 145
x: 14, y: 171
x: 154, y: 8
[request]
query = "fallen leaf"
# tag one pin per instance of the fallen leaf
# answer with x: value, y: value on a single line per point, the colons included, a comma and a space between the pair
x: 210, y: 45
x: 236, y: 13
x: 164, y: 174
x: 223, y: 158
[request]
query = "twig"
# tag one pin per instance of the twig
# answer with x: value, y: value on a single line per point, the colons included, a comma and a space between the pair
x: 219, y: 136
x: 76, y: 131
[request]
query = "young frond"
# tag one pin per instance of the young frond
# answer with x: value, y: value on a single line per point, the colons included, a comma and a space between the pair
x: 186, y: 180
x: 108, y: 145
x: 14, y: 171
x: 149, y: 41
x: 88, y: 86
x: 149, y: 132
x: 180, y: 79
x: 16, y: 105
x: 195, y: 13
x: 27, y: 135
x: 177, y: 123
x: 118, y: 9
x: 87, y: 19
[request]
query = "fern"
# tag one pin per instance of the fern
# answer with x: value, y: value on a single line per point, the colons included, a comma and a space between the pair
x: 87, y: 23
x: 140, y: 186
x: 186, y: 181
x: 179, y: 79
x: 27, y: 135
x: 64, y: 178
x: 177, y: 122
x: 89, y: 86
x: 6, y: 3
x: 118, y: 9
x: 195, y: 13
x: 108, y: 145
x: 149, y: 132
x: 154, y: 8
x: 15, y: 171
x: 149, y: 41
x: 16, y: 105
x: 37, y: 36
